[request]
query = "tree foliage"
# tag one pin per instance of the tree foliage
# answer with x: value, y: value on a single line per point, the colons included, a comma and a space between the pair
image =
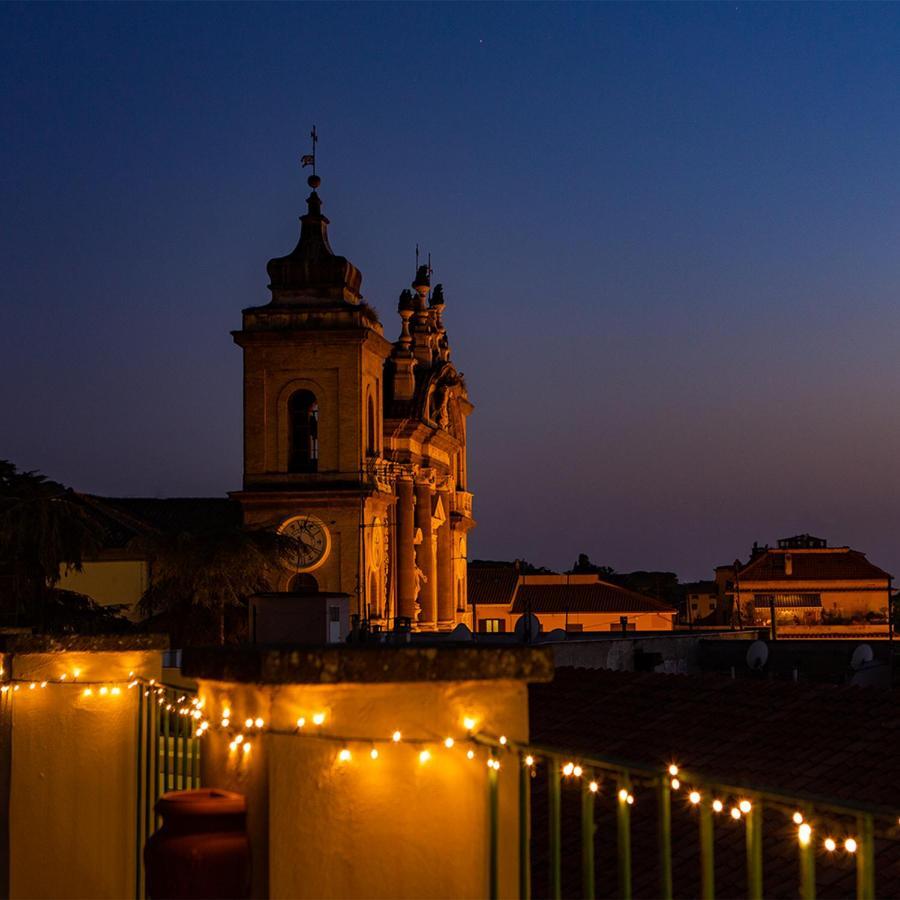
x: 45, y: 531
x: 202, y: 580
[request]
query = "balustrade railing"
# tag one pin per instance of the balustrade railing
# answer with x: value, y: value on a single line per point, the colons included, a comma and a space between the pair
x: 614, y: 793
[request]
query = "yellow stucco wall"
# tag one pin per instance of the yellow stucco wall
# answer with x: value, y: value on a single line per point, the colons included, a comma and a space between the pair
x: 72, y: 786
x: 391, y: 827
x: 109, y: 581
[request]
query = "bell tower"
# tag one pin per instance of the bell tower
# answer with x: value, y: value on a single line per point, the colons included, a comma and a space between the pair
x: 314, y: 360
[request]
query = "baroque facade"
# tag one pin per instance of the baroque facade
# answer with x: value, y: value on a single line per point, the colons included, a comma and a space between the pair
x: 354, y: 444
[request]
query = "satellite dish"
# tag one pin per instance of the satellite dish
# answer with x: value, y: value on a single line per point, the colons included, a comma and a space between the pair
x: 862, y: 656
x: 462, y: 632
x: 558, y: 634
x: 529, y: 624
x: 757, y: 655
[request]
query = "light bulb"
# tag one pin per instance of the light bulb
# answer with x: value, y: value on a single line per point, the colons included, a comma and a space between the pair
x: 32, y: 686
x: 396, y: 737
x: 798, y: 818
x: 675, y: 784
x: 239, y: 739
x: 318, y: 718
x: 469, y: 723
x: 744, y: 806
x: 623, y: 795
x: 448, y: 742
x: 503, y: 740
x: 470, y: 754
x: 259, y: 723
x: 246, y: 748
x: 850, y: 845
x: 232, y: 746
x: 226, y: 713
x: 344, y: 755
x: 301, y: 722
x: 104, y: 691
x: 116, y: 691
x: 735, y: 813
x: 577, y: 771
x: 529, y: 760
x: 226, y: 723
x: 373, y: 753
x: 673, y: 770
x: 694, y: 797
x: 248, y: 723
x: 804, y: 833
x: 717, y: 805
x: 88, y: 692
x: 568, y: 768
x: 830, y: 845
x: 630, y: 800
x: 594, y: 787
x: 424, y: 756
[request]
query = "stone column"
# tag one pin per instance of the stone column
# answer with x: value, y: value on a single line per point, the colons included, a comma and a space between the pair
x: 405, y: 551
x: 445, y: 605
x: 425, y: 558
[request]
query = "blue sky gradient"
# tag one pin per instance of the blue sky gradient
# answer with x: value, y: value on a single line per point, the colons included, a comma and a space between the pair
x: 668, y: 236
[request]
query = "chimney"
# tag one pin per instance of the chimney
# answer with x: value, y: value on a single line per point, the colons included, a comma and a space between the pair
x: 788, y: 564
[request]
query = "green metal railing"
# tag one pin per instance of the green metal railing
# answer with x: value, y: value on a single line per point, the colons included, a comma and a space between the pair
x: 811, y: 822
x: 168, y: 757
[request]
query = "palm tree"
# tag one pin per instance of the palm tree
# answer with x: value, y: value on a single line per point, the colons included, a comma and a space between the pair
x: 44, y: 531
x: 201, y: 577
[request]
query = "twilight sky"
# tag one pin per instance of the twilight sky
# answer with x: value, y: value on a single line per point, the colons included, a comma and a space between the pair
x: 668, y: 236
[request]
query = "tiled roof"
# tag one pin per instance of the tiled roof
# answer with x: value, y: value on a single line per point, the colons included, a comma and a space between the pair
x: 601, y: 597
x: 492, y: 583
x: 123, y: 518
x: 831, y: 741
x: 812, y: 565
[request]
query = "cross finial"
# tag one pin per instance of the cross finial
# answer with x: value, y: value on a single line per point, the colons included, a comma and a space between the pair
x: 309, y: 159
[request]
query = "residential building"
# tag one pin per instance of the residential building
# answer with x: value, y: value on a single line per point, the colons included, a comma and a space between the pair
x: 805, y: 582
x: 500, y: 594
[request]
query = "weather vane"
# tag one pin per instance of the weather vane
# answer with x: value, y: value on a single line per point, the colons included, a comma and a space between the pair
x: 309, y: 159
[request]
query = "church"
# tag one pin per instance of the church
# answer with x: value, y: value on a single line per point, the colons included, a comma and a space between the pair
x: 355, y: 444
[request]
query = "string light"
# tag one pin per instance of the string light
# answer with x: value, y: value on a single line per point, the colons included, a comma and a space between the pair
x: 529, y: 761
x: 735, y: 813
x: 344, y: 755
x: 798, y: 818
x: 503, y: 740
x: 745, y: 806
x: 577, y: 771
x: 675, y: 784
x: 396, y: 737
x: 374, y: 753
x: 424, y: 756
x: 830, y: 845
x: 248, y: 723
x: 301, y: 722
x: 623, y: 795
x: 804, y: 834
x: 717, y: 806
x: 318, y: 718
x: 568, y: 769
x: 247, y: 748
x: 850, y: 845
x: 448, y: 742
x: 594, y: 787
x: 259, y: 723
x: 694, y: 797
x: 469, y: 723
x: 470, y: 754
x: 673, y: 770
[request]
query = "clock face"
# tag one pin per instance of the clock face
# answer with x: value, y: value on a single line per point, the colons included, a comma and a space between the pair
x: 313, y: 542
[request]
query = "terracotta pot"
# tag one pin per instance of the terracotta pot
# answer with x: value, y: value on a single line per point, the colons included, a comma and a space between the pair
x: 202, y: 849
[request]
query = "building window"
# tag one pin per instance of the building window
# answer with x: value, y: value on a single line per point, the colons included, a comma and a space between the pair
x: 303, y: 419
x: 492, y: 626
